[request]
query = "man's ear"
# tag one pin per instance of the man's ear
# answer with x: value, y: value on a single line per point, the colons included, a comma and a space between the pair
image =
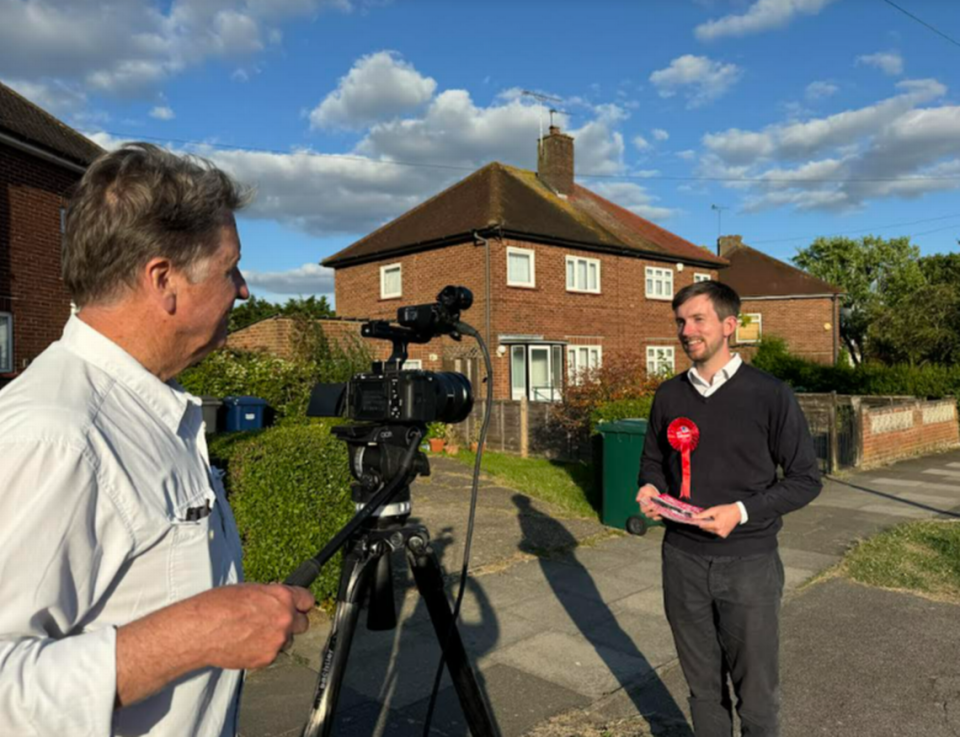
x: 730, y: 325
x: 161, y: 280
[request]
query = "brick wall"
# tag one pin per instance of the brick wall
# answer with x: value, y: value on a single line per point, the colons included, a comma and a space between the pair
x: 810, y: 327
x: 31, y: 194
x: 620, y: 319
x: 907, y: 429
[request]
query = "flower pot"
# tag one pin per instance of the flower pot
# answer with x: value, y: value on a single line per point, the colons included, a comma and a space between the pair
x: 452, y: 449
x: 474, y: 446
x: 436, y: 445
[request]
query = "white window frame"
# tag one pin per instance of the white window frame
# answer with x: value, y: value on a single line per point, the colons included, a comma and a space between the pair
x: 413, y: 363
x: 585, y: 288
x: 698, y: 277
x: 655, y: 273
x: 8, y: 367
x: 755, y: 317
x: 576, y: 372
x: 513, y: 250
x: 653, y: 366
x: 383, y: 281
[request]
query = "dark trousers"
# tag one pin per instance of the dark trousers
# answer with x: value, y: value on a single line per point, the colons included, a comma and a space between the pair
x: 724, y: 613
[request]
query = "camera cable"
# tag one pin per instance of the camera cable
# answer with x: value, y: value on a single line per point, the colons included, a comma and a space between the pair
x: 465, y: 329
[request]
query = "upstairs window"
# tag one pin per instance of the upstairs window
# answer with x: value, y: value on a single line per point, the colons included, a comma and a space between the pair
x: 701, y: 277
x: 583, y: 274
x: 659, y: 283
x: 750, y: 328
x: 521, y: 267
x: 391, y: 281
x: 6, y: 343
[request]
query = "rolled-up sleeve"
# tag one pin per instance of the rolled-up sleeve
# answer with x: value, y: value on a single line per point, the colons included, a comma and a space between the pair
x: 63, y: 541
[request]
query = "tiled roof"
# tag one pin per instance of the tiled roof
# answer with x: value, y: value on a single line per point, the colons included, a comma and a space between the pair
x: 517, y: 203
x: 23, y: 120
x: 755, y: 274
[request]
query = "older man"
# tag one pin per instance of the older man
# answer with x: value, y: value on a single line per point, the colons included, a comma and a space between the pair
x: 122, y: 608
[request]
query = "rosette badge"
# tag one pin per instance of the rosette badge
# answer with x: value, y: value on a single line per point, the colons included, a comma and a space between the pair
x: 683, y: 436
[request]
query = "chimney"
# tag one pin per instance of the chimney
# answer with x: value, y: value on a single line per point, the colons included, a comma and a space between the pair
x: 726, y: 243
x: 555, y: 164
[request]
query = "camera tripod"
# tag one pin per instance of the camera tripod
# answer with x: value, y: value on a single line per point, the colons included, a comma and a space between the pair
x: 366, y: 569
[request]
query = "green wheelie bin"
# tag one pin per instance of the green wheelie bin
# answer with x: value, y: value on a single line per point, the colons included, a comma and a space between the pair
x: 622, y: 447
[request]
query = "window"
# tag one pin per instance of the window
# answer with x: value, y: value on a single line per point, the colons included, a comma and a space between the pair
x: 583, y: 274
x: 520, y: 267
x: 701, y: 277
x: 660, y: 360
x: 518, y: 371
x: 581, y: 359
x: 413, y: 363
x: 659, y: 283
x: 391, y: 281
x: 6, y: 342
x: 752, y: 330
x: 535, y: 372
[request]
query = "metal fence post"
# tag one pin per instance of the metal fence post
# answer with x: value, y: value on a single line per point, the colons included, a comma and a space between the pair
x: 834, y: 462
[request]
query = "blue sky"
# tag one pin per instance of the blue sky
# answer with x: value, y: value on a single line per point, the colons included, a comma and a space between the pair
x: 797, y: 117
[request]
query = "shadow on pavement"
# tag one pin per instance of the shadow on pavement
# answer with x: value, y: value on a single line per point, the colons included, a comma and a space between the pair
x: 653, y: 701
x: 893, y: 498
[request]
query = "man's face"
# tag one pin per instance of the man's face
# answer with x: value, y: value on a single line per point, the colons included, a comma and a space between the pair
x: 702, y: 333
x: 205, y: 303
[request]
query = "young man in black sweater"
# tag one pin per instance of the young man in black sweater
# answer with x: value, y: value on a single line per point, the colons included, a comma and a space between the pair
x: 717, y: 435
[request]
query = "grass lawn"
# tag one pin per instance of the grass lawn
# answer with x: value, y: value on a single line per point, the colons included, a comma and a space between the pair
x: 571, y: 486
x: 919, y: 556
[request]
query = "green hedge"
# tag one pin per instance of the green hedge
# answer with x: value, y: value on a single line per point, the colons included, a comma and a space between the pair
x: 621, y: 409
x: 929, y: 381
x: 289, y: 488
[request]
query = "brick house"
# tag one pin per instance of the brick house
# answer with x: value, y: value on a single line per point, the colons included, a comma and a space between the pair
x: 561, y: 277
x: 783, y: 301
x: 40, y: 159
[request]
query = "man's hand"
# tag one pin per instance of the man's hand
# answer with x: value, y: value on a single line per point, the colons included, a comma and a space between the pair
x: 719, y: 520
x: 644, y: 496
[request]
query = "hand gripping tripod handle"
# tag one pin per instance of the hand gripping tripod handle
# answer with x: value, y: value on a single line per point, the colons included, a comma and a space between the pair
x: 308, y: 571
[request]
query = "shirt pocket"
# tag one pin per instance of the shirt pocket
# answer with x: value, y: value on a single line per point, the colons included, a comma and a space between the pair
x: 190, y: 560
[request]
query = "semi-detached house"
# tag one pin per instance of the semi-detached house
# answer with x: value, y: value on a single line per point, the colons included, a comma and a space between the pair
x: 562, y: 278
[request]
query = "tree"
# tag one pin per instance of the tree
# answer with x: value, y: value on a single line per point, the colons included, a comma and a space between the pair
x: 256, y: 309
x: 878, y: 278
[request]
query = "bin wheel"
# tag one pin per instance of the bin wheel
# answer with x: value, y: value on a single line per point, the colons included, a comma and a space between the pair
x: 636, y: 525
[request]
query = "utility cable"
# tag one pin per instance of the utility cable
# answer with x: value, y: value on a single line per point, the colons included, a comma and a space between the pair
x: 922, y: 22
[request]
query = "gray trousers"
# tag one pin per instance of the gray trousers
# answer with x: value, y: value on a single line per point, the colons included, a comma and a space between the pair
x: 724, y: 613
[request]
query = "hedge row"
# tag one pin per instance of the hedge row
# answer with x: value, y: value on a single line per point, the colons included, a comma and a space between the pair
x: 289, y: 488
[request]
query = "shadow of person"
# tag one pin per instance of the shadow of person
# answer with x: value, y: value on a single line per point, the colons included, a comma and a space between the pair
x: 388, y: 682
x: 577, y: 592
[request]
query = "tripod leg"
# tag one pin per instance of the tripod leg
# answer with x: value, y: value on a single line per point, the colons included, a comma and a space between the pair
x: 429, y: 580
x: 354, y: 579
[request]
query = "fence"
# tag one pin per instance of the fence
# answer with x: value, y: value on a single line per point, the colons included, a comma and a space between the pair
x: 846, y: 430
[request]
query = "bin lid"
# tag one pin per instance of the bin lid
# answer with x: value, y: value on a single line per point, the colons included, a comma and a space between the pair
x: 245, y: 401
x: 636, y: 426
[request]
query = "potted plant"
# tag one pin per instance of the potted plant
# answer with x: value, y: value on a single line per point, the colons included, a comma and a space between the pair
x: 436, y: 433
x: 475, y: 437
x: 453, y: 442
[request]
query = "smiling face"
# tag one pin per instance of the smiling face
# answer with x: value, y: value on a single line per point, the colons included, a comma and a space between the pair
x: 703, y: 334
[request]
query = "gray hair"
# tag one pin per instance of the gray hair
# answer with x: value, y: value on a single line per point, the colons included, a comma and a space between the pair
x: 141, y: 202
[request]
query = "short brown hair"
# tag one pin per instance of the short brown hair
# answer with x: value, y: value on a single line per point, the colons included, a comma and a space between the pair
x: 725, y: 300
x: 138, y: 203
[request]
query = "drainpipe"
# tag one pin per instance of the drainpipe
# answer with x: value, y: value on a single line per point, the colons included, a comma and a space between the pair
x: 486, y: 287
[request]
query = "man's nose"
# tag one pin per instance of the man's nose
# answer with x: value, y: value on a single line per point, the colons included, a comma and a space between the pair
x: 242, y: 291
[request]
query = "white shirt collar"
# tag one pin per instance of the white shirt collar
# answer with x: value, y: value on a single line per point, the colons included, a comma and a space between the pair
x: 724, y: 374
x: 167, y: 399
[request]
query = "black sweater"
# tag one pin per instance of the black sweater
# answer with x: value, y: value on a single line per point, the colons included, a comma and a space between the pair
x: 748, y: 427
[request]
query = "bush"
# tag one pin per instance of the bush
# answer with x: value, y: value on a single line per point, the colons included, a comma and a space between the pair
x: 289, y: 488
x: 621, y: 409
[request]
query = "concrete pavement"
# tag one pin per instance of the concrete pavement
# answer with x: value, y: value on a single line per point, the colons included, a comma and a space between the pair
x: 563, y: 620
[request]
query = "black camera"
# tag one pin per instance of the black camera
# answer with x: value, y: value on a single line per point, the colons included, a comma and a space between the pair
x: 390, y: 394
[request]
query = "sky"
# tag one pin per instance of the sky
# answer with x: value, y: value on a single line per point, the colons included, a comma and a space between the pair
x: 778, y: 120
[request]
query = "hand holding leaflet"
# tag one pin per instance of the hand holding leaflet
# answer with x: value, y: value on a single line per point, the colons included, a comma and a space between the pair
x: 673, y: 509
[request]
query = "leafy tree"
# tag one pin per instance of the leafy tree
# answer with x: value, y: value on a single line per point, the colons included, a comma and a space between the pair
x: 879, y: 277
x: 256, y: 309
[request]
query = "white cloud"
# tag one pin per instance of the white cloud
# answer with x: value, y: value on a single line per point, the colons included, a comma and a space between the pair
x: 163, y: 112
x: 820, y: 90
x: 703, y: 79
x: 889, y: 62
x: 633, y: 197
x: 688, y: 155
x: 55, y: 97
x: 641, y: 143
x: 763, y: 15
x: 127, y: 47
x: 379, y: 86
x: 305, y: 280
x: 660, y: 134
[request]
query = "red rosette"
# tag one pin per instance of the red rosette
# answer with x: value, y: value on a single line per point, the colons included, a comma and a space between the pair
x: 683, y: 436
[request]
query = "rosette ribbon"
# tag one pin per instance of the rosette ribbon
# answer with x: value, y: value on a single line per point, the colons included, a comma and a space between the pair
x: 684, y: 436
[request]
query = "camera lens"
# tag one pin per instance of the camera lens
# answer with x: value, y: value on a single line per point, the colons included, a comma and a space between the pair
x: 454, y: 398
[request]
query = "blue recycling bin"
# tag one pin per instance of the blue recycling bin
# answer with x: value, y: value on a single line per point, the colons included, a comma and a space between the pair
x: 243, y: 413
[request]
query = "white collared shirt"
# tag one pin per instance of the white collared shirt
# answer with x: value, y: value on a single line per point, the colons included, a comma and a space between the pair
x: 101, y: 464
x: 706, y: 389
